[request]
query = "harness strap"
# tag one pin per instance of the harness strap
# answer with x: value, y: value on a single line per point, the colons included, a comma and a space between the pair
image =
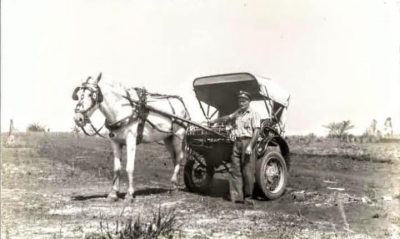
x: 140, y: 128
x: 161, y: 130
x: 143, y: 112
x: 172, y: 108
x: 163, y: 96
x: 129, y: 98
x: 157, y: 128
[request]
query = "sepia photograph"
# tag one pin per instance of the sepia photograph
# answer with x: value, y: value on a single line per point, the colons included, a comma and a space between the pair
x: 219, y: 119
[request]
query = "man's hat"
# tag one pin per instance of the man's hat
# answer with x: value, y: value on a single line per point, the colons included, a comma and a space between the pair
x: 244, y: 94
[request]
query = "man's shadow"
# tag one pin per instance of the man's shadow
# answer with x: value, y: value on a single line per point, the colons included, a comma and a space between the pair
x: 139, y: 192
x: 219, y: 188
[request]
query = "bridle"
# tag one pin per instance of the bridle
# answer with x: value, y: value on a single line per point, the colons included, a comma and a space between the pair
x: 96, y: 98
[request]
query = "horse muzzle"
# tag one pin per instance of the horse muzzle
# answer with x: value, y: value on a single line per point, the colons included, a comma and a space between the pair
x: 80, y: 119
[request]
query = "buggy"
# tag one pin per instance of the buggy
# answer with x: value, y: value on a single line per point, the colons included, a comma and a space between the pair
x: 209, y: 147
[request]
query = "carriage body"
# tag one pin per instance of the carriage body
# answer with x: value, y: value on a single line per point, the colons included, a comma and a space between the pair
x: 209, y: 150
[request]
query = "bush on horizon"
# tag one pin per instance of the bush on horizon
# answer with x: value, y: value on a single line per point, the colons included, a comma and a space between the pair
x: 36, y: 127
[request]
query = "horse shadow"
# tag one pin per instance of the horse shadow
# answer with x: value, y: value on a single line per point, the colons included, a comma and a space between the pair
x: 139, y: 192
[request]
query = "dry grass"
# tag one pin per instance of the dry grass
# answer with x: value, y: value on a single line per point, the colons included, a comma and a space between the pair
x: 312, y: 145
x: 41, y: 173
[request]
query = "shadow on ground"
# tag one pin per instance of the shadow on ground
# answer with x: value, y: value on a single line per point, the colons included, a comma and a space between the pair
x: 140, y: 192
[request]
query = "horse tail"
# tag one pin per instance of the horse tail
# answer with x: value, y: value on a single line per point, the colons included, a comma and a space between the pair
x: 187, y: 115
x: 184, y: 149
x: 184, y: 142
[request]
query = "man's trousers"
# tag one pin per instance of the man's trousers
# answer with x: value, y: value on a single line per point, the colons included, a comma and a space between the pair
x: 241, y: 176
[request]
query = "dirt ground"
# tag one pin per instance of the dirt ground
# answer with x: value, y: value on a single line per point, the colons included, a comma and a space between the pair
x: 55, y: 186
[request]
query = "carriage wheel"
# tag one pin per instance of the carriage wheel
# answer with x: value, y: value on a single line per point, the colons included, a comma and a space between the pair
x: 196, y: 175
x: 271, y: 174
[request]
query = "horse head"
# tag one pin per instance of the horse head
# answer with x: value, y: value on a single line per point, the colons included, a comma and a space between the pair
x: 89, y: 97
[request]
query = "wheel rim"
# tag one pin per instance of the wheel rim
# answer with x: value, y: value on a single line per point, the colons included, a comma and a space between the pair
x: 274, y: 175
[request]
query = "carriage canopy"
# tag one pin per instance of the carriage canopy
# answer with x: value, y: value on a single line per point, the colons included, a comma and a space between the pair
x: 220, y: 91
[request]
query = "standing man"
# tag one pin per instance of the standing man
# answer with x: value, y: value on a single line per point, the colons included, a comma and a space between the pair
x: 246, y: 129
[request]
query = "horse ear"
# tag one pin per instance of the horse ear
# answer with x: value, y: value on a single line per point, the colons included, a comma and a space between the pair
x: 99, y: 78
x: 75, y: 94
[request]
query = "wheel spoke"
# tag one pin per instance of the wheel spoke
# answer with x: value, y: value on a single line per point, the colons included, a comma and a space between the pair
x: 273, y: 175
x: 199, y: 169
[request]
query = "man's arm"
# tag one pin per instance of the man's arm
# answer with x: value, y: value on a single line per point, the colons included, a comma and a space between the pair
x: 224, y: 118
x: 256, y: 124
x: 221, y: 119
x: 256, y: 133
x: 253, y: 140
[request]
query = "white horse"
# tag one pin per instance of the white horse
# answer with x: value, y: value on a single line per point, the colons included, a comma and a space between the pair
x: 130, y: 123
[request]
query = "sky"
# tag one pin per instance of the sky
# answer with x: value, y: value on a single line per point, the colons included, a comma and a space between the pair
x: 339, y: 60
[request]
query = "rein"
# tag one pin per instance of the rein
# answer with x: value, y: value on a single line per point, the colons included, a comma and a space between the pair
x: 96, y: 132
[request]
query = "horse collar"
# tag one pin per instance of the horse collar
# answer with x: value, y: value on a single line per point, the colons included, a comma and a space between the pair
x: 121, y: 123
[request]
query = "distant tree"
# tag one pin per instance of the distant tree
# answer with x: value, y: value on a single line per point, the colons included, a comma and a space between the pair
x: 36, y: 127
x: 372, y: 129
x: 388, y: 127
x: 339, y: 129
x: 11, y: 131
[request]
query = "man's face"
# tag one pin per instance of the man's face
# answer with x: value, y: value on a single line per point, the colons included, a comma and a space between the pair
x: 243, y: 103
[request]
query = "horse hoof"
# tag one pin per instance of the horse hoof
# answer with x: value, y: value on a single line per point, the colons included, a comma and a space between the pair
x: 172, y: 191
x: 129, y: 199
x: 112, y: 197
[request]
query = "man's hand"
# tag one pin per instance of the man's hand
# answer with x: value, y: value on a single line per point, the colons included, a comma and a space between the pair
x: 249, y: 150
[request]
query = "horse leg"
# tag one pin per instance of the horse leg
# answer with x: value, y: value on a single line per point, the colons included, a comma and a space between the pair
x: 179, y: 153
x: 169, y: 146
x: 130, y: 165
x: 174, y: 145
x: 117, y: 149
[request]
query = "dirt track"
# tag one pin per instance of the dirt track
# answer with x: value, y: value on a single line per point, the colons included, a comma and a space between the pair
x: 55, y: 187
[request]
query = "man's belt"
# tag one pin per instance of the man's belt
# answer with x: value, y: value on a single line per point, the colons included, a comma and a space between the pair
x: 242, y: 138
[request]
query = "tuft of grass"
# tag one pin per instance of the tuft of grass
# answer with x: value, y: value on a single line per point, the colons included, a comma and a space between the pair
x: 161, y: 225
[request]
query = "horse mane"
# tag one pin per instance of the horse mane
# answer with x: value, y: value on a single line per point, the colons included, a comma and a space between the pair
x: 115, y: 84
x: 117, y: 87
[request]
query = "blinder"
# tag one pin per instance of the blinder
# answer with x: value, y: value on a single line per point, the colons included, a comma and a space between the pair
x: 96, y: 94
x: 75, y: 94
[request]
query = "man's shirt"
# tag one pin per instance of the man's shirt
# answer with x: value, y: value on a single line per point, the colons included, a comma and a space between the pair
x: 246, y: 122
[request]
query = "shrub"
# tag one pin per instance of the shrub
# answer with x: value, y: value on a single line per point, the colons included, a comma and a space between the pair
x: 338, y: 129
x: 162, y: 224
